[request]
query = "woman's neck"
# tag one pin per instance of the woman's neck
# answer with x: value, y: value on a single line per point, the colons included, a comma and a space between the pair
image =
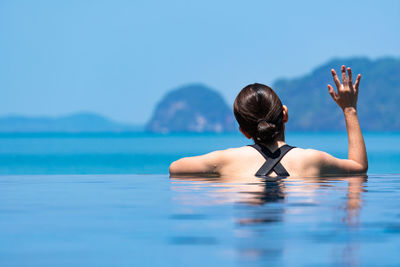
x: 277, y: 143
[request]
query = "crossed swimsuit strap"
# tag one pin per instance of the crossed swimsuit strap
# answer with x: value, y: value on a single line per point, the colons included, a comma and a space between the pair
x: 273, y: 160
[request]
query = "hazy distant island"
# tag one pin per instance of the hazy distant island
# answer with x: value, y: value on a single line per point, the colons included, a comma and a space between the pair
x: 198, y: 108
x: 192, y: 108
x: 84, y: 122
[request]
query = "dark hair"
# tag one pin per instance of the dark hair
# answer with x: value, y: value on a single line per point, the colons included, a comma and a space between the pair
x: 259, y: 112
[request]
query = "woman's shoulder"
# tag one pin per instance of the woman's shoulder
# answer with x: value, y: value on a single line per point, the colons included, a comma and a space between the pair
x: 237, y: 151
x: 308, y: 152
x: 307, y: 156
x: 307, y: 161
x: 229, y: 154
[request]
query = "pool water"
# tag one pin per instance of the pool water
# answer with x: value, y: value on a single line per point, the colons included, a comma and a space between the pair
x: 152, y: 220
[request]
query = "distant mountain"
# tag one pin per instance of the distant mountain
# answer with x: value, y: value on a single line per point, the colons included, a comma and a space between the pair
x: 192, y: 108
x: 75, y: 123
x: 311, y: 107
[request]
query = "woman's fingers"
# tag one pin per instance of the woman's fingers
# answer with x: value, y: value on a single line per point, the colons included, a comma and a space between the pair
x: 350, y: 77
x: 332, y: 92
x: 335, y: 79
x: 357, y: 84
x: 344, y: 77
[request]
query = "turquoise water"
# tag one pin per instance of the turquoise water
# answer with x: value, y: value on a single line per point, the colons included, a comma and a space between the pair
x: 106, y: 200
x: 152, y: 154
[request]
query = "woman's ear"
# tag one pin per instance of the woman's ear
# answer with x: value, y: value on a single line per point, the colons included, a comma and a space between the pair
x: 285, y: 114
x: 244, y: 133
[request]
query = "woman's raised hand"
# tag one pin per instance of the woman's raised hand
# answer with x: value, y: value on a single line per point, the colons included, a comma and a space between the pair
x: 346, y: 97
x: 347, y: 92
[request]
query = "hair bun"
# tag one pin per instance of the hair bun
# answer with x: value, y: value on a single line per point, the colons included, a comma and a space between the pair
x: 266, y: 131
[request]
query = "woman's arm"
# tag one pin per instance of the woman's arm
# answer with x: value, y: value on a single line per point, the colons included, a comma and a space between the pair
x: 346, y: 97
x: 207, y: 164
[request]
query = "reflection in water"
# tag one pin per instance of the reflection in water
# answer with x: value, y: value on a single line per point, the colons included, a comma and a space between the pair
x: 354, y: 200
x: 269, y: 211
x: 269, y: 190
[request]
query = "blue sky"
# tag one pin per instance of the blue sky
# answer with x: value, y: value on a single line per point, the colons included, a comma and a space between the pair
x: 118, y: 58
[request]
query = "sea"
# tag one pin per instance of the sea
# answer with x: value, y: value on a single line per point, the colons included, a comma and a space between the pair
x: 143, y: 153
x: 106, y: 199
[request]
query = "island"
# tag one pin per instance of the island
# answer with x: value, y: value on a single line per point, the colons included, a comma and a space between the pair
x: 192, y: 108
x: 83, y: 122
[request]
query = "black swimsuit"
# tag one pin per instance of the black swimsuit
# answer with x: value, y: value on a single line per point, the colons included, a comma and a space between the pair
x: 273, y: 160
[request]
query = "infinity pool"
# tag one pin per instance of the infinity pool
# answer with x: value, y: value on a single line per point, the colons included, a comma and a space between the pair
x: 152, y: 220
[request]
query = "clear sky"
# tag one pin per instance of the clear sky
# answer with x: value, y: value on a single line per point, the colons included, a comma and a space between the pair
x: 118, y: 58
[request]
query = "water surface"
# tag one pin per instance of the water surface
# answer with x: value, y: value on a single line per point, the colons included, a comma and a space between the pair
x: 149, y: 220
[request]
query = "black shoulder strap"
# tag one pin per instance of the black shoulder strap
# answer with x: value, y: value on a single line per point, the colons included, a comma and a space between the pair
x: 273, y: 160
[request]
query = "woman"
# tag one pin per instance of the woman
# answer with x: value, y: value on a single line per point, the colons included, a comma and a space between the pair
x: 262, y: 117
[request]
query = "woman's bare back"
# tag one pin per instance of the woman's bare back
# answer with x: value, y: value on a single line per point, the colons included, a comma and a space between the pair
x: 246, y: 161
